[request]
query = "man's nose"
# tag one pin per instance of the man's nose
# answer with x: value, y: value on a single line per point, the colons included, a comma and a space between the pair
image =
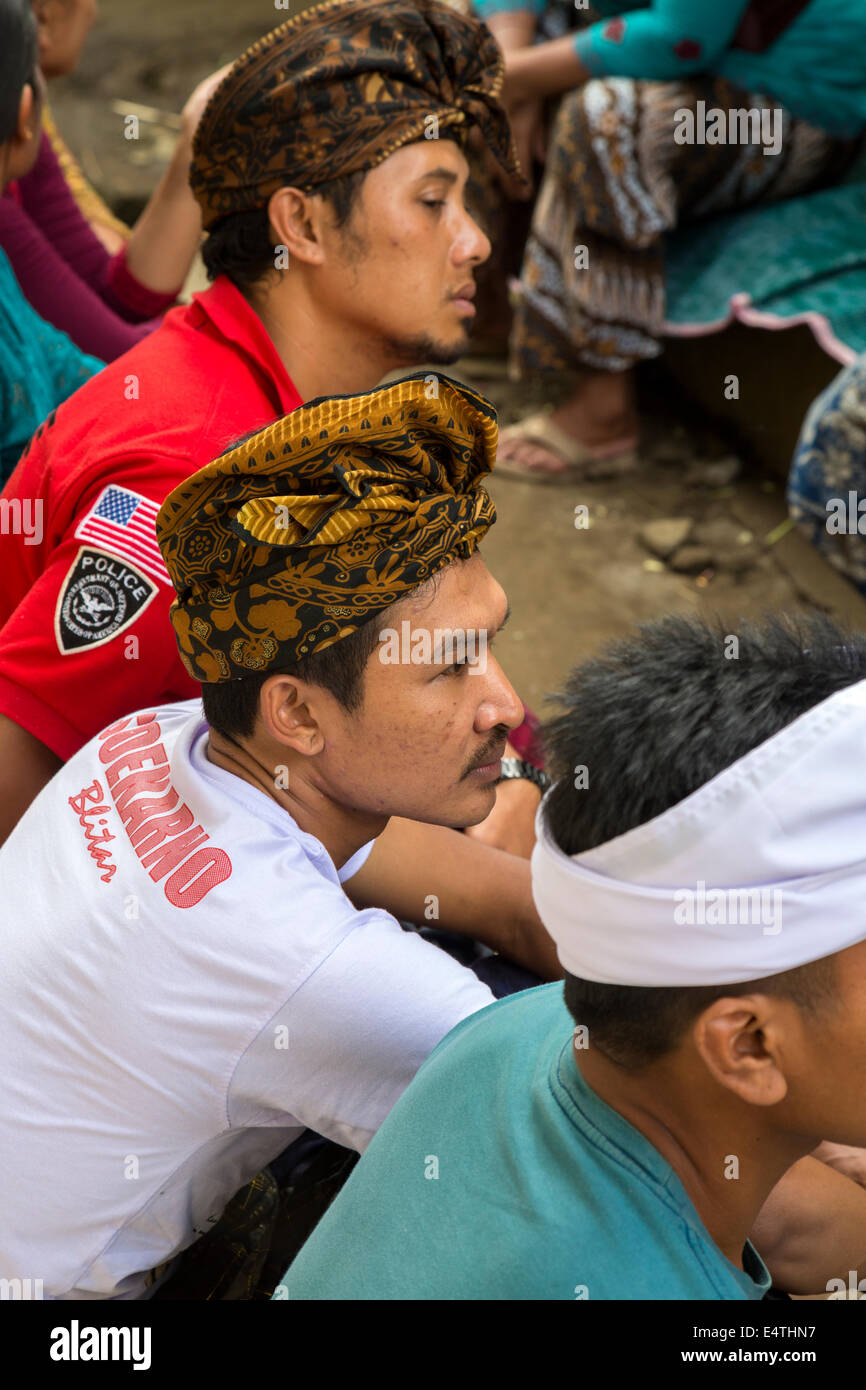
x: 501, y: 703
x: 471, y: 243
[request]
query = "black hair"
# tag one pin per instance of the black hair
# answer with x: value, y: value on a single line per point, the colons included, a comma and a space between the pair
x: 231, y: 707
x: 19, y: 48
x: 240, y: 245
x: 652, y: 719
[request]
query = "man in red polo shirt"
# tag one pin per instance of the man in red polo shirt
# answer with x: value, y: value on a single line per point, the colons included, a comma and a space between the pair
x: 341, y: 249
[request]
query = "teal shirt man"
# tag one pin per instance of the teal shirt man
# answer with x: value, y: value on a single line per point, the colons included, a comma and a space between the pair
x: 815, y: 67
x: 499, y: 1174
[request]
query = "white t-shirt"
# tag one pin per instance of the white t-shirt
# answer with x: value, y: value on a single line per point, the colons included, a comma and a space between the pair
x: 184, y: 987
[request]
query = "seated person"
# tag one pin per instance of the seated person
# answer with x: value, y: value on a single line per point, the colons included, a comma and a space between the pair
x: 39, y: 366
x: 106, y: 301
x: 307, y: 189
x: 658, y: 113
x: 198, y: 956
x: 699, y: 864
x: 827, y: 480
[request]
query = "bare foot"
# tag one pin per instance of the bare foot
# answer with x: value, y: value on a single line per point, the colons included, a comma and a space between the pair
x: 534, y: 457
x: 602, y: 430
x: 601, y: 415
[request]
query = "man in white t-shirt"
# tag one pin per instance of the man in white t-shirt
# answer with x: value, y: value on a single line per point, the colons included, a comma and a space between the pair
x: 186, y: 985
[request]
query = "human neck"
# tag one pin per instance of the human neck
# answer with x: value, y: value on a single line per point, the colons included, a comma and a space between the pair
x: 323, y: 356
x: 7, y: 175
x: 699, y: 1129
x: 340, y: 830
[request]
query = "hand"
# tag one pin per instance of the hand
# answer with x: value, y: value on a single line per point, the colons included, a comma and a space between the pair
x: 545, y: 70
x: 851, y: 1162
x: 527, y: 125
x: 196, y: 103
x: 165, y: 238
x: 512, y: 29
x: 514, y: 92
x: 511, y: 823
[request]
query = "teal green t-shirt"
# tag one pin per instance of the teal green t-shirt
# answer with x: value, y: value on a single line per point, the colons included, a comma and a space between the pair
x: 499, y: 1174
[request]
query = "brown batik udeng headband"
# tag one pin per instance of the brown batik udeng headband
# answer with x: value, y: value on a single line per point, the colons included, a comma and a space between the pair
x: 296, y: 537
x: 338, y: 89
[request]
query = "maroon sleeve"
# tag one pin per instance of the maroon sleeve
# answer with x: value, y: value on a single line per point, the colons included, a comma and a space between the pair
x: 48, y: 203
x: 58, y: 294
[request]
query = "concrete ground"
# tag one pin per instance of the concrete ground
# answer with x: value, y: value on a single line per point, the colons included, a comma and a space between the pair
x: 572, y: 588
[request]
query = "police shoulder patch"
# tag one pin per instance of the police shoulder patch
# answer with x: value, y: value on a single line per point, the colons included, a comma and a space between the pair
x: 100, y: 597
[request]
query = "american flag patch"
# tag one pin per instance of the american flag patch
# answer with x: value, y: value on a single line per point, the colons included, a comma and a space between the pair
x: 124, y: 523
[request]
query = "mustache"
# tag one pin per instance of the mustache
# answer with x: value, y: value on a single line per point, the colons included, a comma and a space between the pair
x: 497, y: 739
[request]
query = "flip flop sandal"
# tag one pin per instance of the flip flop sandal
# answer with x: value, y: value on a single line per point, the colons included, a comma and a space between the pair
x: 580, y: 462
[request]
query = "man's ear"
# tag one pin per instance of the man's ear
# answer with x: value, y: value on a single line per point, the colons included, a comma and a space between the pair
x: 741, y: 1041
x: 296, y: 224
x: 288, y: 709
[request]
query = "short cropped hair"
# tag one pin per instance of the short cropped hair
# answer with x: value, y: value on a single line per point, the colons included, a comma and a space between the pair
x: 18, y: 55
x: 231, y: 707
x: 652, y: 719
x: 240, y: 245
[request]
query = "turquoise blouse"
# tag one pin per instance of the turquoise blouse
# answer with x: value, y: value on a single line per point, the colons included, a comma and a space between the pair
x: 816, y: 68
x: 39, y: 368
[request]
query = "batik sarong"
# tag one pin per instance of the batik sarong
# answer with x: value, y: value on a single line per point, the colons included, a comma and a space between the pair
x: 827, y: 482
x: 592, y: 287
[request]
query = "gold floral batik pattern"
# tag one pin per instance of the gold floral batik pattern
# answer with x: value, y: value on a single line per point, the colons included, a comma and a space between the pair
x: 297, y: 536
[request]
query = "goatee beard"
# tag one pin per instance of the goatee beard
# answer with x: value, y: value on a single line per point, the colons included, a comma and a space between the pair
x: 414, y: 352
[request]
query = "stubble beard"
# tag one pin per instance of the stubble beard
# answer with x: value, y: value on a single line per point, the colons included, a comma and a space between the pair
x: 404, y: 352
x: 415, y: 352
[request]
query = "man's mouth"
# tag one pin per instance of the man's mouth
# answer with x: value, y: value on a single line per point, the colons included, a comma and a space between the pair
x: 464, y: 297
x: 490, y: 768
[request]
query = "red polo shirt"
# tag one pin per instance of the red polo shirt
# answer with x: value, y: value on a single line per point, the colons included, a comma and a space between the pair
x: 85, y: 635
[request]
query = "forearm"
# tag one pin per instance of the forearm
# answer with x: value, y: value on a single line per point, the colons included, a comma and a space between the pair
x: 812, y: 1228
x: 25, y: 767
x: 415, y: 870
x: 511, y: 823
x: 58, y: 292
x: 512, y: 29
x: 543, y: 71
x: 54, y: 216
x: 164, y: 240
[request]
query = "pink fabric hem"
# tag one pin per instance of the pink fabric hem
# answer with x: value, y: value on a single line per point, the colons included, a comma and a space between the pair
x: 742, y: 311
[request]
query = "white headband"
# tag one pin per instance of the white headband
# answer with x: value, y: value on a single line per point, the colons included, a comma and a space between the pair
x: 760, y: 870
